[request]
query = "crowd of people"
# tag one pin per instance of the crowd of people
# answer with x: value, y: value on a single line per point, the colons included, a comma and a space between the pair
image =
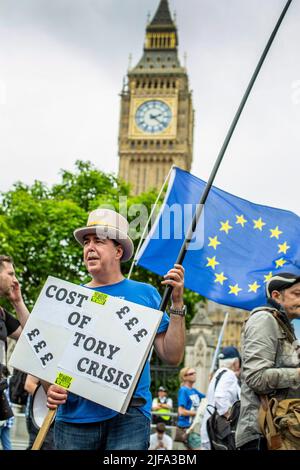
x: 266, y: 369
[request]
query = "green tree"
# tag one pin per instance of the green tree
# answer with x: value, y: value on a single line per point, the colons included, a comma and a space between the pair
x: 37, y: 224
x: 36, y: 229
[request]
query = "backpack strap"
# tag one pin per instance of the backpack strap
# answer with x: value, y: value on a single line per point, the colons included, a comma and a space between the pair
x: 265, y: 308
x: 216, y: 384
x: 289, y: 335
x: 219, y: 377
x: 2, y: 313
x: 266, y: 424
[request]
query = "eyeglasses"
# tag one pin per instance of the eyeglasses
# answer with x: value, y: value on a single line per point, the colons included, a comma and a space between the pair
x: 190, y: 373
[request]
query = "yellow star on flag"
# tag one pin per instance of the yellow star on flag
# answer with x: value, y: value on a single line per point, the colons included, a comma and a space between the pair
x: 259, y: 224
x: 220, y: 278
x: 253, y: 287
x: 283, y: 248
x: 240, y: 219
x: 280, y: 262
x: 214, y: 242
x: 225, y: 227
x: 268, y: 276
x: 212, y: 262
x: 235, y: 290
x: 275, y: 232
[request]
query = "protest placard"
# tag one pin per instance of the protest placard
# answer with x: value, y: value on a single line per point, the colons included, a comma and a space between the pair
x: 90, y: 343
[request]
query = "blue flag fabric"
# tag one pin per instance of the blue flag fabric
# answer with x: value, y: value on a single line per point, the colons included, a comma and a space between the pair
x: 296, y: 324
x: 237, y: 245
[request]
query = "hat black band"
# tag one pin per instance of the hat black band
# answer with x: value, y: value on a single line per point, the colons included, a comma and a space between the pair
x: 279, y: 285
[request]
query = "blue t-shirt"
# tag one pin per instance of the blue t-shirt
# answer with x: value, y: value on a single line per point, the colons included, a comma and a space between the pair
x: 81, y: 410
x: 188, y: 398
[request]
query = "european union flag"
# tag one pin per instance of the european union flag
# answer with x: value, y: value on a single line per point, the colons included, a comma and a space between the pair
x: 237, y: 245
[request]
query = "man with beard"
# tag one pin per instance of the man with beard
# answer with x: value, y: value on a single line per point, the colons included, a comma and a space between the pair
x: 271, y: 365
x: 84, y: 425
x: 10, y: 289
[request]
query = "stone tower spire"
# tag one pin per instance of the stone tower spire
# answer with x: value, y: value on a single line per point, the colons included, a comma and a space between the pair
x: 157, y: 117
x: 162, y: 15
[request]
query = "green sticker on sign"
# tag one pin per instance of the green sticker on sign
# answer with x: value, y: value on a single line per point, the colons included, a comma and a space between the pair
x: 99, y: 298
x: 63, y: 380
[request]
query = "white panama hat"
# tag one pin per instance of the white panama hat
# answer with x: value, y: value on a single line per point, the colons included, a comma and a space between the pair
x: 106, y: 223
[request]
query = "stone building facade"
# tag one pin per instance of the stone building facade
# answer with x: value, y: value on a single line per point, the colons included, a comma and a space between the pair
x: 157, y: 116
x: 202, y: 337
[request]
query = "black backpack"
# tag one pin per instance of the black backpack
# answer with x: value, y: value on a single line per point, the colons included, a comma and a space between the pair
x: 221, y: 430
x: 17, y: 392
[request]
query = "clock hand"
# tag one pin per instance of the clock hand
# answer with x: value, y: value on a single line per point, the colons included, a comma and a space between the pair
x: 156, y: 118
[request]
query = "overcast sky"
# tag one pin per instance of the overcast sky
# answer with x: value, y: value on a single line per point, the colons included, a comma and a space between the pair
x: 62, y: 63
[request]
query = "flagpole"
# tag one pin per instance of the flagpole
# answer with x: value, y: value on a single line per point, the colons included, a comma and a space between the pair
x: 197, y: 215
x: 148, y: 222
x: 212, y: 368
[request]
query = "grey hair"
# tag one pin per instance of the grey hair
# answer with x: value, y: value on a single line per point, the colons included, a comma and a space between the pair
x: 227, y: 362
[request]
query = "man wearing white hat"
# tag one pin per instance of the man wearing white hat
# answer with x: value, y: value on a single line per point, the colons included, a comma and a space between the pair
x: 82, y: 424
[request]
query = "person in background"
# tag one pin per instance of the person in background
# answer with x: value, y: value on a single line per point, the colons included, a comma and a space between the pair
x: 161, y: 405
x: 10, y: 290
x: 270, y: 358
x: 189, y: 399
x: 160, y: 440
x: 9, y: 325
x: 223, y: 390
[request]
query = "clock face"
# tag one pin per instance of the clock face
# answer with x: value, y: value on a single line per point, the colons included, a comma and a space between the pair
x: 153, y: 116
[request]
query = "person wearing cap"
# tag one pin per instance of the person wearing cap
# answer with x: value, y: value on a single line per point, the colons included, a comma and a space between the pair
x: 162, y: 405
x: 223, y: 390
x: 81, y: 424
x: 270, y: 361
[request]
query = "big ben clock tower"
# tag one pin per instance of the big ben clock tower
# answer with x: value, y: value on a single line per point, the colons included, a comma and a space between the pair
x: 157, y: 117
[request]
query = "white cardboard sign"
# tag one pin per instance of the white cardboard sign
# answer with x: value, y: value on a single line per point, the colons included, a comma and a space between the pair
x: 91, y: 343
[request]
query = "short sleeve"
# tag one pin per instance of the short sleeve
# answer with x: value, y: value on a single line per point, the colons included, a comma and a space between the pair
x: 12, y: 324
x: 182, y: 398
